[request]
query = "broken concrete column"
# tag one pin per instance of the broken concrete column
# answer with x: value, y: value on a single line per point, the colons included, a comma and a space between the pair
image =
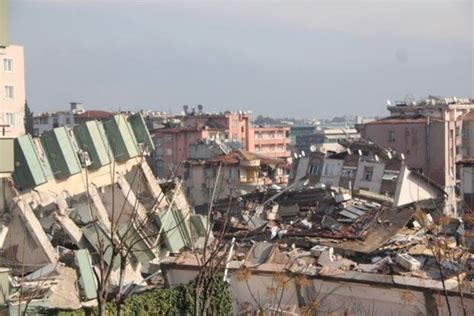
x: 153, y: 186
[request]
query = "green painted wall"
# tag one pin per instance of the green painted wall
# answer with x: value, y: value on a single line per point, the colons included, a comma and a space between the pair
x: 89, y: 138
x: 141, y: 131
x: 121, y: 138
x: 28, y: 170
x: 61, y: 153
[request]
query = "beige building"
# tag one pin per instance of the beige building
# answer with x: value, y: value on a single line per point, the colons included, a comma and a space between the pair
x: 236, y: 173
x: 366, y: 167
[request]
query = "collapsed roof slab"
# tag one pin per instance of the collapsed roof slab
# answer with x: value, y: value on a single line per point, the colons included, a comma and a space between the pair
x: 387, y: 224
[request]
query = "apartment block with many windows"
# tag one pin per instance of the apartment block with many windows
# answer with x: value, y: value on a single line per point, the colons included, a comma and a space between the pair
x: 12, y: 85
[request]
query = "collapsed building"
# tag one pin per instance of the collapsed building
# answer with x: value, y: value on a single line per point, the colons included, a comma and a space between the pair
x: 329, y: 250
x: 367, y: 168
x: 75, y: 197
x: 85, y: 198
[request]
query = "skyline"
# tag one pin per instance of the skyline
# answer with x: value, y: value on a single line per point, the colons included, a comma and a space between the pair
x: 277, y: 59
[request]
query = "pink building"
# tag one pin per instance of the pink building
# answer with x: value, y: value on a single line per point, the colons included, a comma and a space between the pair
x: 172, y: 143
x: 428, y: 134
x: 172, y: 146
x: 12, y: 85
x: 236, y: 125
x: 271, y: 141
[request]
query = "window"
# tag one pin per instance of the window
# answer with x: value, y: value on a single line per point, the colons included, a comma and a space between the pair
x: 368, y: 172
x: 207, y: 172
x: 348, y: 172
x: 10, y: 119
x: 390, y: 175
x: 242, y: 129
x: 9, y: 92
x: 329, y: 170
x: 169, y: 151
x: 7, y: 64
x: 391, y: 136
x: 68, y: 120
x: 313, y: 170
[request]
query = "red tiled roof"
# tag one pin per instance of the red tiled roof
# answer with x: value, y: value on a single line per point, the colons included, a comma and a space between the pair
x: 95, y: 114
x: 469, y: 116
x: 236, y: 156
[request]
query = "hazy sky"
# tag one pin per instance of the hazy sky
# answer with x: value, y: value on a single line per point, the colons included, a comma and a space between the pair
x: 277, y: 58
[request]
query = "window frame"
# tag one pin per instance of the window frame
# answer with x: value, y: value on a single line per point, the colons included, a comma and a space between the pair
x: 11, y: 64
x: 7, y: 95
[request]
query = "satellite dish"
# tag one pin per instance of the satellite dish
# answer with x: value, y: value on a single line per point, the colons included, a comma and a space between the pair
x: 322, y: 149
x: 359, y: 152
x: 303, y: 153
x: 389, y: 155
x: 349, y: 151
x: 376, y: 158
x: 402, y: 156
x: 295, y: 155
x: 389, y: 103
x: 312, y: 148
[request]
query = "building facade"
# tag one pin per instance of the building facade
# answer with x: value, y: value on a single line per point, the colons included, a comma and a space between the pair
x: 271, y: 141
x: 76, y: 115
x: 12, y: 85
x: 366, y: 167
x: 429, y: 134
x: 178, y: 133
x: 301, y: 137
x: 172, y: 147
x: 328, y: 139
x: 236, y: 173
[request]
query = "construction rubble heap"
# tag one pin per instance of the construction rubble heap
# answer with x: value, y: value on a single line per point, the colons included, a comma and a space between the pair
x: 83, y: 200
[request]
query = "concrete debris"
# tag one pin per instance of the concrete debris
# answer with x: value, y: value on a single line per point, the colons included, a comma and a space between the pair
x: 66, y: 218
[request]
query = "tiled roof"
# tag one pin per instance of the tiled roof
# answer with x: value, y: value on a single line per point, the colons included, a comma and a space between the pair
x: 469, y: 116
x: 96, y: 114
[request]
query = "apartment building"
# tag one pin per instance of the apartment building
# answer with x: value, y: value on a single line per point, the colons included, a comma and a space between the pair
x: 301, y: 137
x: 271, y: 141
x: 77, y: 114
x: 178, y: 133
x: 12, y: 84
x: 328, y: 139
x: 236, y: 173
x: 172, y: 145
x: 366, y: 167
x: 428, y: 133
